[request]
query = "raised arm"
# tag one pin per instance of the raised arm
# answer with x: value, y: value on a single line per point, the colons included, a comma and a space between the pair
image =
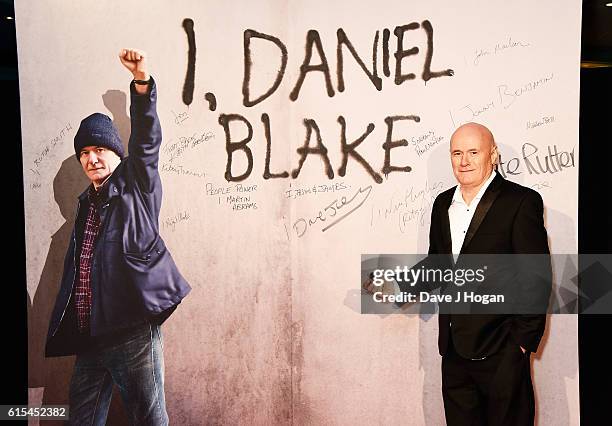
x: 146, y: 135
x: 135, y: 61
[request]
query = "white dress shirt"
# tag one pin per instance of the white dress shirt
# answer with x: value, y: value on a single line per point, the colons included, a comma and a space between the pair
x: 460, y: 215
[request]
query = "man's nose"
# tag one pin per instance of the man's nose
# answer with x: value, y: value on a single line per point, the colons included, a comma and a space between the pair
x: 464, y: 160
x: 93, y: 158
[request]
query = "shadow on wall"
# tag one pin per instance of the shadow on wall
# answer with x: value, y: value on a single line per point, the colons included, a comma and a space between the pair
x: 52, y: 375
x: 566, y: 361
x: 116, y: 102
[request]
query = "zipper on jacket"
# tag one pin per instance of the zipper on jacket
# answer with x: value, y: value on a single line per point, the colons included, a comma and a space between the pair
x: 75, y: 269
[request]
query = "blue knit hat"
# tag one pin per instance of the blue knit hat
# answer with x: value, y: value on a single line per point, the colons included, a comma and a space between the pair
x: 98, y: 130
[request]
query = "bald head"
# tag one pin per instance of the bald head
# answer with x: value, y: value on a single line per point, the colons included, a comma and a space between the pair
x: 473, y: 154
x: 474, y: 131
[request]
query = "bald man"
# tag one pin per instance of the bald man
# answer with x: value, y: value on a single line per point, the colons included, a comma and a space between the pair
x: 486, y: 377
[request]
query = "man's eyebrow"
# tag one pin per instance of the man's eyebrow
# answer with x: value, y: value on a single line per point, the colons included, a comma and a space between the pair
x: 467, y: 150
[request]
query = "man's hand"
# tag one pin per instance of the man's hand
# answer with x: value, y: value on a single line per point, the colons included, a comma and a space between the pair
x: 385, y: 289
x: 523, y: 349
x: 369, y: 286
x: 134, y: 60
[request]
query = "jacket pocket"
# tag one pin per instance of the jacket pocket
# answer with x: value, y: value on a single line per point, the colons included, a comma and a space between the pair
x: 156, y: 250
x: 157, y: 281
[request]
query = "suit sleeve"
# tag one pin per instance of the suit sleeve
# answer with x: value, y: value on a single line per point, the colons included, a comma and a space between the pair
x: 145, y: 137
x: 530, y: 244
x: 430, y: 262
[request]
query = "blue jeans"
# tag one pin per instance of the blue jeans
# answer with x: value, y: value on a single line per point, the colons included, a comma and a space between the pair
x: 134, y: 361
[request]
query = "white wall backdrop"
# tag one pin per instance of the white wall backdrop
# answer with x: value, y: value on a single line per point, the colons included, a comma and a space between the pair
x: 271, y: 332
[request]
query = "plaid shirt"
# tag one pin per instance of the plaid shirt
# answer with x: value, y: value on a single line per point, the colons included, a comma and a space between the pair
x: 83, y: 286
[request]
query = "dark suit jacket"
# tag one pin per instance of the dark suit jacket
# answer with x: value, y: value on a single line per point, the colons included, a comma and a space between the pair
x: 508, y: 220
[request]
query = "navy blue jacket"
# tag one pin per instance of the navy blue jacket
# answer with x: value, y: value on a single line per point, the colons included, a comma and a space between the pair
x: 134, y: 279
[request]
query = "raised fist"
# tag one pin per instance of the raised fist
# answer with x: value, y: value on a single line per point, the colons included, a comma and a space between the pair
x: 135, y: 61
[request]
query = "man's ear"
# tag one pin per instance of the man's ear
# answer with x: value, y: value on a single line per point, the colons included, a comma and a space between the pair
x: 494, y: 155
x: 116, y: 160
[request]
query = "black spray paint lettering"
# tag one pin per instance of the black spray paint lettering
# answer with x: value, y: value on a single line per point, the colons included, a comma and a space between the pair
x: 188, y: 87
x: 320, y: 149
x: 386, y: 35
x: 313, y: 40
x: 347, y: 149
x: 400, y: 53
x: 212, y: 101
x: 265, y: 119
x: 372, y: 75
x: 248, y: 63
x: 230, y: 146
x: 428, y: 74
x: 390, y: 143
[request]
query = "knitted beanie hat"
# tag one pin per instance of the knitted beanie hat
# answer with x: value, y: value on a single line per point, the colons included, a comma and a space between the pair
x: 98, y: 130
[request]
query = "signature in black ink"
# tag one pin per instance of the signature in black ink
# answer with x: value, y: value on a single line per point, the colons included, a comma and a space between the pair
x: 425, y: 142
x: 413, y: 203
x: 176, y: 149
x: 172, y: 221
x: 505, y: 97
x: 331, y: 210
x: 180, y: 170
x: 541, y: 185
x: 499, y: 48
x: 294, y: 193
x: 180, y: 117
x: 540, y: 122
x: 51, y: 143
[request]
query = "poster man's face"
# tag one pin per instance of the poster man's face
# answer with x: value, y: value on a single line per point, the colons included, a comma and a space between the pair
x: 472, y: 155
x: 98, y: 162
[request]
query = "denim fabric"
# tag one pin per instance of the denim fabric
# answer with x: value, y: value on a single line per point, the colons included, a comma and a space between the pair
x: 134, y: 361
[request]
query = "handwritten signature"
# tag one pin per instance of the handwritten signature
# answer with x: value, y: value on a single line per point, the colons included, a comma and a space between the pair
x: 506, y: 97
x: 413, y: 203
x: 172, y: 221
x: 331, y: 211
x: 498, y: 48
x: 180, y: 117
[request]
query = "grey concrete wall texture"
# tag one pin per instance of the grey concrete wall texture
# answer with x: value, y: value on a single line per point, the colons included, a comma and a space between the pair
x: 272, y: 331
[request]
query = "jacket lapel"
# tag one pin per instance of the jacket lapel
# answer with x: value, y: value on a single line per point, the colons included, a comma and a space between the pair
x: 109, y: 190
x: 447, y: 242
x: 481, y: 211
